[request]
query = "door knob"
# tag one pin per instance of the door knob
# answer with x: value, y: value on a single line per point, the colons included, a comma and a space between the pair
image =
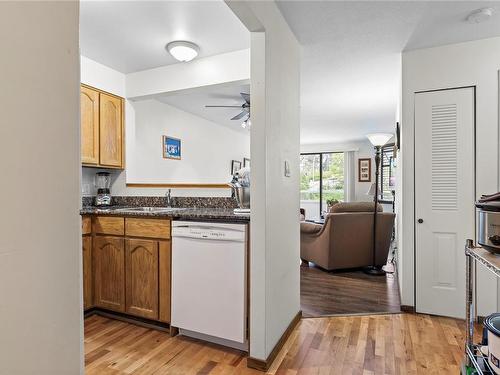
x: 420, y: 221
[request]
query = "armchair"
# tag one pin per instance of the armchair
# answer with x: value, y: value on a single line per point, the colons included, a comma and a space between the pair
x: 345, y: 240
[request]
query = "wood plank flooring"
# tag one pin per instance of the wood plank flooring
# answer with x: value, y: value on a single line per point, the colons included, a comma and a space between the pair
x: 378, y: 344
x: 325, y: 293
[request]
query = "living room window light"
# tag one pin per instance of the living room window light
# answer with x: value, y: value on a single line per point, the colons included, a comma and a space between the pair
x: 322, y: 180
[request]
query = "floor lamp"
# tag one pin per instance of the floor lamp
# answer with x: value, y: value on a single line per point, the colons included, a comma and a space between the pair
x: 377, y: 140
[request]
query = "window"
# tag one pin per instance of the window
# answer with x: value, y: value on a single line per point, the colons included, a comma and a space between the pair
x: 321, y: 180
x: 386, y: 178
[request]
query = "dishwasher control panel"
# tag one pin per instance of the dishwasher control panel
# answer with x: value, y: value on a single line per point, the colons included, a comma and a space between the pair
x: 209, y: 231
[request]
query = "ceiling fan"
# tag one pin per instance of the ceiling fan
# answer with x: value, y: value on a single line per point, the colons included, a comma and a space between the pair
x: 245, y: 107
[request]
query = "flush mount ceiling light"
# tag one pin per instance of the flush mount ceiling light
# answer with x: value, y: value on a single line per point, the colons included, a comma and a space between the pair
x: 480, y: 15
x: 182, y: 50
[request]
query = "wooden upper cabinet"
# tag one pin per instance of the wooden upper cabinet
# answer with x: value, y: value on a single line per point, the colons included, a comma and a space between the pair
x: 89, y: 107
x: 102, y: 130
x: 109, y: 272
x: 110, y: 131
x: 142, y: 278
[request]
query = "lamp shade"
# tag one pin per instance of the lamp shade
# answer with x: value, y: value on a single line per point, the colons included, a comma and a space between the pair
x: 379, y: 139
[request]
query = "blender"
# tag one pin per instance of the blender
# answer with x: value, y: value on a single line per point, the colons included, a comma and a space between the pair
x: 102, y: 182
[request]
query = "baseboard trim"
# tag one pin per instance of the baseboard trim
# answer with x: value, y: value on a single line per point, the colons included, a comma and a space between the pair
x: 146, y: 323
x: 408, y: 309
x: 264, y: 365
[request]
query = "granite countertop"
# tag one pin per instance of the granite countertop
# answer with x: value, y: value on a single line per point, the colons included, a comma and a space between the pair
x: 189, y: 213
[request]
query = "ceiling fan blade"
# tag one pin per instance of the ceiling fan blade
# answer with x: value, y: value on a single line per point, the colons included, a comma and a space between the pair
x: 239, y: 116
x: 246, y: 97
x: 223, y: 106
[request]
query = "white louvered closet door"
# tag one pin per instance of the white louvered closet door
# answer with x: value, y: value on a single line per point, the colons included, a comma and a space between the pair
x: 444, y: 198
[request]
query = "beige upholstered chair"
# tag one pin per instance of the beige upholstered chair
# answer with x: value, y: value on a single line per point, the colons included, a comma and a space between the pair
x: 346, y: 238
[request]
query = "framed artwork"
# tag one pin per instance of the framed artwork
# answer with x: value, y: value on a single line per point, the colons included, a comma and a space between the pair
x: 235, y: 166
x: 364, y: 170
x: 246, y: 163
x: 171, y: 148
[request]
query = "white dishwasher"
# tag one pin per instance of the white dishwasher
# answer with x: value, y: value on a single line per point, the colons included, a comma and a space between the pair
x: 209, y: 288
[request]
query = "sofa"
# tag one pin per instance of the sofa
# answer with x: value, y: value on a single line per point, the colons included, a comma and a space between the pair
x: 345, y: 240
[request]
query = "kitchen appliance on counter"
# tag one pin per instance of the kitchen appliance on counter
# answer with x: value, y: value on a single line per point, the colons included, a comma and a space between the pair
x: 488, y: 234
x: 492, y: 328
x: 102, y: 182
x: 209, y: 282
x: 241, y: 189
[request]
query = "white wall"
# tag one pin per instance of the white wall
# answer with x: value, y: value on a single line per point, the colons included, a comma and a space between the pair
x: 207, y: 71
x: 102, y: 77
x: 465, y: 64
x: 207, y: 148
x: 41, y: 322
x: 364, y: 151
x: 275, y: 90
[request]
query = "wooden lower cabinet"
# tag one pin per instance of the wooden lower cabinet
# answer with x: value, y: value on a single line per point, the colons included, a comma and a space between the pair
x: 109, y: 272
x: 87, y: 272
x: 128, y: 273
x: 141, y: 278
x: 165, y: 285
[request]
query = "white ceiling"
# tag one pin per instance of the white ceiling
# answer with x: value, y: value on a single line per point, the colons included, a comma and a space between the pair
x: 351, y: 57
x: 130, y: 36
x: 194, y: 101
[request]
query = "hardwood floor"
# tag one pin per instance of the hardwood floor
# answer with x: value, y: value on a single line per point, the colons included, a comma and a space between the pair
x: 378, y: 344
x: 325, y: 293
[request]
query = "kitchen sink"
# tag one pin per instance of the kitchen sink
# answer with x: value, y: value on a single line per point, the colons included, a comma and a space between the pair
x: 149, y: 209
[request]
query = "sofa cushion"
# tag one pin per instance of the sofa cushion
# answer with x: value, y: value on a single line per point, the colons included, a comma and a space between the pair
x: 310, y: 228
x: 354, y: 207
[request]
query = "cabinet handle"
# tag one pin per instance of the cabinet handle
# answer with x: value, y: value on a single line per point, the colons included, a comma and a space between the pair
x: 420, y: 221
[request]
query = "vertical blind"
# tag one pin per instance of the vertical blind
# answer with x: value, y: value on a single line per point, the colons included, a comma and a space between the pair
x: 386, y: 173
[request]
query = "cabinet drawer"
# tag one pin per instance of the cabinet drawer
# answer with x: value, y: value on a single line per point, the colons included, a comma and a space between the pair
x: 109, y: 225
x: 152, y: 228
x: 86, y: 225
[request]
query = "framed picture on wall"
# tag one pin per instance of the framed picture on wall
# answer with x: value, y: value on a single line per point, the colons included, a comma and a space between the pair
x: 171, y: 148
x: 246, y: 163
x: 235, y: 166
x: 364, y: 170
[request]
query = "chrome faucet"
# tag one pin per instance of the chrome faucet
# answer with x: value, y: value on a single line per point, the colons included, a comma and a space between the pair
x: 168, y: 198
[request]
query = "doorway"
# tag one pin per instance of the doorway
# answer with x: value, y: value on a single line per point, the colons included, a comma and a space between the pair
x: 324, y: 182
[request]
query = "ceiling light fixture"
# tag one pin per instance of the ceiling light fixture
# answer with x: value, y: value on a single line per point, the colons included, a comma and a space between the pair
x: 182, y: 50
x: 480, y: 15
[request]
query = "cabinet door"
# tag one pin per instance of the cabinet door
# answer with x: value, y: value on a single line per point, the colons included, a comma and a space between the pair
x: 87, y: 272
x: 89, y: 122
x: 110, y: 131
x: 109, y: 272
x: 165, y: 284
x: 142, y: 278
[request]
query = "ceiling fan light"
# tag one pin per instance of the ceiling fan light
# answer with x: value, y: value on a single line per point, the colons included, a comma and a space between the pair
x: 183, y: 51
x: 246, y: 124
